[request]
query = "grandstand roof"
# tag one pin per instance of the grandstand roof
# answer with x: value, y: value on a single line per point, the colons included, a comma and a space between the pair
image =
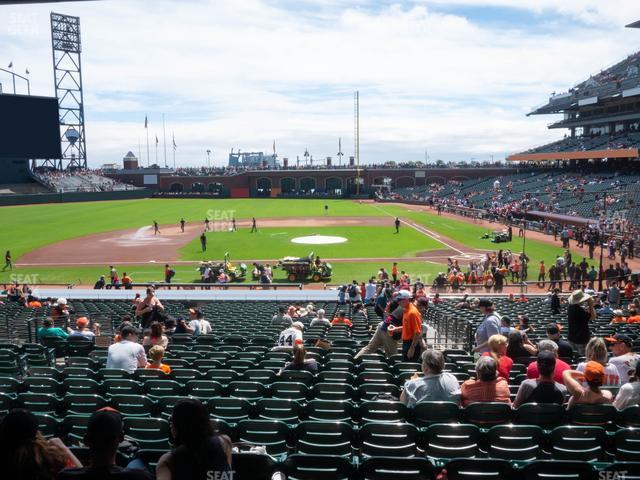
x: 574, y: 155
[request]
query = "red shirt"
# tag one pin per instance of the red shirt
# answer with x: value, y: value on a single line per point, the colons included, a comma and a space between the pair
x: 504, y: 365
x: 532, y: 370
x: 476, y: 391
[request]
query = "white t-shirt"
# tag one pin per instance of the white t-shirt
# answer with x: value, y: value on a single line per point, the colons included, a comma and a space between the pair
x: 628, y: 395
x: 625, y: 363
x: 205, y: 327
x: 126, y: 355
x: 370, y: 290
x: 85, y: 333
x: 289, y: 337
x: 611, y: 375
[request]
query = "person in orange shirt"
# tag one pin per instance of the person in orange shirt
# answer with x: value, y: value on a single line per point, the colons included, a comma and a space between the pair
x: 618, y: 317
x: 394, y: 271
x: 341, y: 319
x: 156, y: 354
x: 487, y: 387
x: 126, y: 281
x: 412, y: 342
x: 628, y: 290
x: 633, y: 317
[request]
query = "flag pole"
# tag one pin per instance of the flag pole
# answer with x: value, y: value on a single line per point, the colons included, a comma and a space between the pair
x: 164, y: 141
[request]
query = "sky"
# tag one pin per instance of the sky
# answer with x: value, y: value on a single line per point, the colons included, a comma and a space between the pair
x: 437, y: 79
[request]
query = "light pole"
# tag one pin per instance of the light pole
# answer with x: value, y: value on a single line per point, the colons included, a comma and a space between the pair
x: 306, y: 156
x: 209, y: 158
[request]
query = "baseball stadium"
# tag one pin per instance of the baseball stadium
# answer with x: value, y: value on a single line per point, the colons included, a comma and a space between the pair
x: 273, y: 318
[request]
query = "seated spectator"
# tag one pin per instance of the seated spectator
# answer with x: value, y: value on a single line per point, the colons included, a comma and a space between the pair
x: 623, y: 358
x: 341, y: 319
x: 100, y: 284
x: 434, y: 386
x: 593, y: 376
x: 26, y: 454
x: 299, y: 361
x: 543, y: 388
x: 290, y: 336
x: 561, y: 366
x: 156, y: 354
x: 520, y: 346
x: 487, y: 387
x: 629, y: 393
x: 463, y: 304
x: 197, y: 452
x: 524, y: 325
x: 82, y: 329
x: 191, y: 326
x: 618, y: 317
x: 505, y: 326
x: 127, y: 281
x: 320, y: 319
x: 49, y: 331
x: 127, y: 354
x: 565, y: 350
x: 170, y: 326
x: 634, y: 316
x: 498, y: 351
x: 156, y: 336
x: 104, y: 434
x: 522, y: 299
x: 281, y: 319
x: 205, y: 326
x: 596, y: 351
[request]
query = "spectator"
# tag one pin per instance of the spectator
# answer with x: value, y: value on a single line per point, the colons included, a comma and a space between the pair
x: 614, y: 294
x: 149, y: 309
x: 341, y: 319
x: 490, y: 326
x: 634, y: 316
x: 505, y: 326
x: 590, y: 394
x: 412, y: 342
x: 565, y: 350
x: 104, y: 434
x: 290, y: 336
x: 127, y: 281
x: 370, y: 292
x: 629, y: 393
x: 281, y: 319
x: 198, y: 452
x: 520, y: 346
x: 156, y: 354
x: 82, y: 329
x: 596, y: 351
x: 498, y: 351
x: 100, y: 284
x: 49, y: 331
x: 299, y: 361
x: 543, y: 388
x: 618, y: 317
x: 192, y: 326
x: 580, y: 312
x: 156, y: 336
x: 560, y: 366
x: 320, y: 319
x: 623, y: 358
x: 26, y: 454
x: 434, y: 386
x: 487, y: 387
x: 127, y: 354
x: 524, y: 326
x: 387, y: 333
x: 61, y: 310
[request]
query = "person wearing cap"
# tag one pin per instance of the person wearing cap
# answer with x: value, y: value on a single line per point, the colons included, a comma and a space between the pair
x: 61, y: 309
x: 104, y: 434
x: 565, y: 350
x: 546, y: 345
x: 49, y: 331
x: 487, y: 386
x: 412, y: 342
x: 623, y: 358
x: 127, y: 354
x: 26, y: 454
x: 505, y: 326
x: 387, y: 333
x: 634, y: 316
x: 290, y: 336
x: 593, y: 376
x: 544, y: 387
x: 489, y: 326
x: 629, y: 393
x: 435, y: 386
x: 580, y: 312
x: 618, y: 317
x: 82, y: 329
x: 320, y: 319
x: 596, y: 351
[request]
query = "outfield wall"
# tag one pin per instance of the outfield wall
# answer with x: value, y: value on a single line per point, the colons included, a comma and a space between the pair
x: 7, y: 200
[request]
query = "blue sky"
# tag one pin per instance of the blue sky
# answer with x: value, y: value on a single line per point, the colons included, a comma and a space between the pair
x: 454, y: 77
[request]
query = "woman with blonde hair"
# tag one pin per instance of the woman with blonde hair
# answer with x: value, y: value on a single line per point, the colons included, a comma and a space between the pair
x: 498, y: 350
x: 596, y: 351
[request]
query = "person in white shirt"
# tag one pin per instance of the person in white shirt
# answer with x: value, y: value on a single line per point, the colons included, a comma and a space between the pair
x: 82, y: 325
x: 290, y: 337
x: 370, y: 292
x: 596, y: 351
x: 629, y: 393
x: 624, y: 359
x: 320, y: 319
x: 127, y: 354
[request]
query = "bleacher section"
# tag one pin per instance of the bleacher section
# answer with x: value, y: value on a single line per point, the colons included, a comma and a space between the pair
x: 344, y: 420
x: 79, y: 181
x: 583, y: 144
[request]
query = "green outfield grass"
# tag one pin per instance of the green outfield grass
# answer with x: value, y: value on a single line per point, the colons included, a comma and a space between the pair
x: 25, y: 228
x: 275, y: 243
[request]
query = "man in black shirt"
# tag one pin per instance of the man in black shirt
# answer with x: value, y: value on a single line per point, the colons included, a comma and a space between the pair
x: 580, y: 312
x: 565, y: 350
x: 104, y: 433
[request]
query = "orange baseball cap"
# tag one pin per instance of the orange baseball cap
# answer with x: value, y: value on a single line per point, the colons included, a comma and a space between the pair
x: 82, y: 322
x: 594, y: 372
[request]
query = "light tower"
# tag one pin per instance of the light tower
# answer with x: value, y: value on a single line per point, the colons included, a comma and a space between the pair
x: 66, y: 47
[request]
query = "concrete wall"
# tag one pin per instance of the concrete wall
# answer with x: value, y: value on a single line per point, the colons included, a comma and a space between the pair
x: 6, y: 200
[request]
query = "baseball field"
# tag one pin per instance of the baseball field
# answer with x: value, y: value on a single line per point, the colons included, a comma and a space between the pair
x: 74, y: 243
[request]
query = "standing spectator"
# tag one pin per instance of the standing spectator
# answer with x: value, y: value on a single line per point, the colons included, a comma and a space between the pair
x: 487, y: 387
x: 498, y: 351
x: 104, y: 434
x: 149, y: 309
x: 560, y: 366
x: 412, y: 343
x: 590, y: 394
x: 489, y: 326
x: 169, y: 273
x: 555, y: 302
x: 387, y: 333
x: 629, y: 393
x: 156, y: 354
x: 614, y: 295
x: 596, y: 351
x: 198, y: 452
x: 370, y: 292
x: 623, y: 358
x: 580, y: 312
x: 434, y: 386
x: 127, y: 354
x: 542, y: 388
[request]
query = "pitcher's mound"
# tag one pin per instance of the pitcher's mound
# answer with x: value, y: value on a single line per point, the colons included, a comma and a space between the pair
x: 318, y: 240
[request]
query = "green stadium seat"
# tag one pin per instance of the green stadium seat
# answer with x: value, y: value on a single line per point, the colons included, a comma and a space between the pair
x: 203, y: 389
x: 584, y: 444
x: 317, y: 467
x: 133, y: 405
x: 427, y: 413
x: 627, y: 445
x: 484, y: 468
x: 487, y: 414
x: 449, y: 440
x: 231, y: 410
x: 382, y: 411
x: 148, y: 432
x: 325, y: 438
x: 552, y: 469
x: 271, y: 434
x: 388, y: 439
x: 331, y: 410
x: 520, y: 443
x: 284, y: 410
x: 83, y: 404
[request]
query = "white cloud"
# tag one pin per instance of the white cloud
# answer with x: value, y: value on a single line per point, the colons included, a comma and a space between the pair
x: 239, y: 74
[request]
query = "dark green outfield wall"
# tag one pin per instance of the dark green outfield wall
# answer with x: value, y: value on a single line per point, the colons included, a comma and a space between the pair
x: 6, y: 200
